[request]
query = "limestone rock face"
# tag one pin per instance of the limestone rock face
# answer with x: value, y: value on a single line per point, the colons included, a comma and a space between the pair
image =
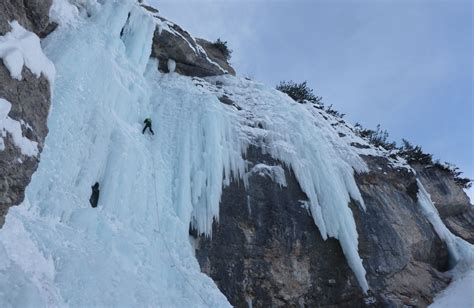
x: 216, y: 55
x: 30, y: 99
x: 404, y: 257
x: 170, y: 41
x: 452, y: 203
x: 266, y: 248
x: 33, y: 15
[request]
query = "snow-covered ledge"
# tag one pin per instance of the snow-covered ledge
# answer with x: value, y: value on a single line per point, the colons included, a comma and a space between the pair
x: 21, y: 47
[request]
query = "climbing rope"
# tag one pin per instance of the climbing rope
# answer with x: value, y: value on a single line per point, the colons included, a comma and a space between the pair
x: 161, y: 235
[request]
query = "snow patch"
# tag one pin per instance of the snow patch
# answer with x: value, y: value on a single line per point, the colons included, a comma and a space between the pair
x: 458, y: 294
x: 67, y: 11
x: 20, y: 47
x: 13, y: 127
x: 276, y: 173
x: 168, y: 26
x: 63, y: 12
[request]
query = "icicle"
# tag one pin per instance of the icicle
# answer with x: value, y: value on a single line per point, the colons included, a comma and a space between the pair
x: 171, y: 65
x: 458, y: 248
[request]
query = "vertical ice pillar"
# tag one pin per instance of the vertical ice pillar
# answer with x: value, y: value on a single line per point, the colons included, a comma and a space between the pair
x: 137, y: 35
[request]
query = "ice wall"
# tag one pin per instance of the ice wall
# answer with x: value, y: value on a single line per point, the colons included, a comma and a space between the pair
x: 197, y: 150
x: 133, y: 249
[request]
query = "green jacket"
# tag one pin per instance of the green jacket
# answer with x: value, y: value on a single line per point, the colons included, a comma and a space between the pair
x: 147, y: 121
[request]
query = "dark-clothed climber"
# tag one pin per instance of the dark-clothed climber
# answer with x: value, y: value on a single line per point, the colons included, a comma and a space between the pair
x: 147, y: 125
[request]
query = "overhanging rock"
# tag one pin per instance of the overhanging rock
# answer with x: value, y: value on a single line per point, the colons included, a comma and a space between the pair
x: 193, y: 57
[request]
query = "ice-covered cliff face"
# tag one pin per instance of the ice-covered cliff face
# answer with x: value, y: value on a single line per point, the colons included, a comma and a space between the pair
x: 134, y: 249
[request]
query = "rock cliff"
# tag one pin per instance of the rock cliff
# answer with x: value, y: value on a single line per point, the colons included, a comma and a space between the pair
x: 30, y: 98
x: 266, y: 249
x: 192, y: 57
x: 31, y: 14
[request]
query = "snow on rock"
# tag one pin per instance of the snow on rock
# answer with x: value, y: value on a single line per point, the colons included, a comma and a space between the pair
x: 353, y: 144
x: 171, y: 41
x: 66, y: 11
x: 203, y: 52
x: 62, y: 11
x: 276, y: 173
x: 13, y: 127
x: 20, y: 47
x: 169, y: 26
